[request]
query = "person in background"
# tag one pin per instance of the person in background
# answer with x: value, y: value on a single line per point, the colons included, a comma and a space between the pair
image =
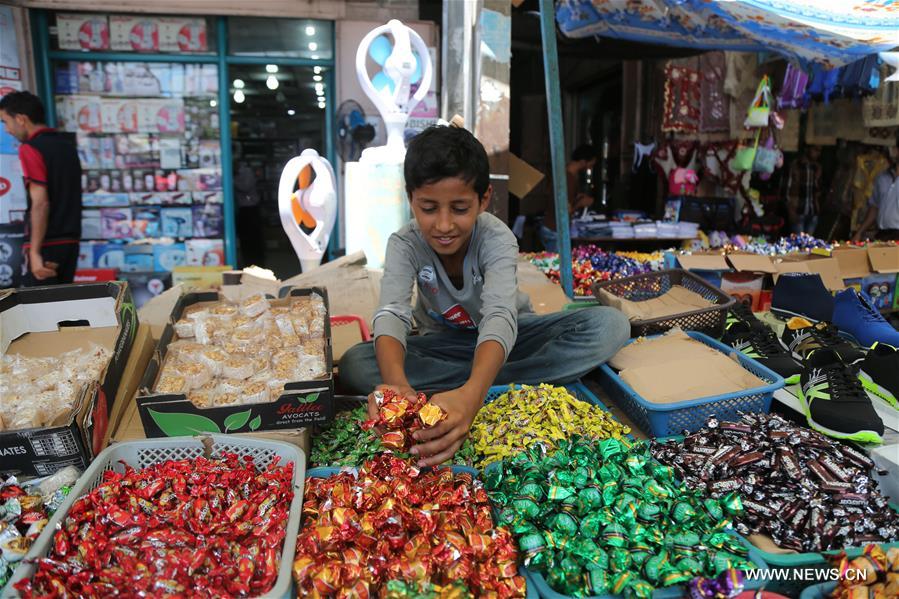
x: 583, y: 158
x: 249, y: 217
x: 883, y: 206
x: 52, y: 173
x: 804, y: 191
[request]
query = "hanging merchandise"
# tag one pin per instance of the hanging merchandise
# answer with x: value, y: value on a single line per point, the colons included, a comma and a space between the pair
x: 792, y: 92
x: 882, y: 109
x: 890, y: 59
x: 822, y: 83
x: 682, y: 182
x: 760, y: 109
x: 860, y: 78
x: 714, y: 105
x: 682, y: 100
x: 867, y: 167
x: 745, y: 156
x: 768, y: 157
x: 739, y: 84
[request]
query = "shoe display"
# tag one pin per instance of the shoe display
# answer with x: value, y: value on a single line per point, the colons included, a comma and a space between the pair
x: 740, y: 312
x: 760, y: 343
x: 854, y: 314
x: 834, y: 401
x: 800, y: 337
x: 879, y: 373
x: 801, y: 294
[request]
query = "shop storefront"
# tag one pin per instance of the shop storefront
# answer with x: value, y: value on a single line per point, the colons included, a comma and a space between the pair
x: 183, y: 124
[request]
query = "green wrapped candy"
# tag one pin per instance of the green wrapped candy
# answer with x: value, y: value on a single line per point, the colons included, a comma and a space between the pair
x: 597, y: 582
x: 614, y: 535
x: 564, y: 523
x: 639, y: 589
x: 592, y: 524
x: 689, y: 564
x: 619, y: 560
x: 648, y: 513
x: 713, y: 509
x: 686, y: 542
x: 683, y: 512
x: 525, y: 507
x: 733, y: 505
x: 656, y: 566
x: 589, y: 499
x: 621, y: 582
x: 558, y: 493
x: 531, y: 490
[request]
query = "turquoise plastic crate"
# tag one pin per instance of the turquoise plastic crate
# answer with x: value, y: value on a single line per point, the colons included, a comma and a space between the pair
x: 325, y: 472
x: 818, y: 591
x: 663, y: 420
x: 672, y: 592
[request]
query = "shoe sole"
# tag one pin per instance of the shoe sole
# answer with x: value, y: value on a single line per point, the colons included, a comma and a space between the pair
x: 860, y: 436
x: 787, y: 315
x: 869, y: 384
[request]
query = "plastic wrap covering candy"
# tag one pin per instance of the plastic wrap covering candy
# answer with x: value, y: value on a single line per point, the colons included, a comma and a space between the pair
x: 591, y: 264
x: 803, y: 490
x: 198, y: 528
x: 601, y: 517
x: 25, y: 508
x: 342, y: 443
x: 40, y: 392
x: 388, y: 521
x: 543, y: 414
x: 875, y: 574
x: 400, y: 416
x: 241, y: 353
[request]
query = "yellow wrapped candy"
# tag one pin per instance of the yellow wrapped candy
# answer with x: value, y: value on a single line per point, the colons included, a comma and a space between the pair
x: 543, y: 414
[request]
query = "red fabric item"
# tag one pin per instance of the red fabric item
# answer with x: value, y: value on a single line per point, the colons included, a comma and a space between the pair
x: 34, y: 170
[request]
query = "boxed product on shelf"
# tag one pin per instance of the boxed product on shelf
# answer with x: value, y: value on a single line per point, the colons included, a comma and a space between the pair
x: 182, y: 34
x: 210, y: 151
x: 115, y: 223
x: 78, y: 31
x: 61, y: 418
x: 146, y: 223
x: 168, y: 256
x: 86, y: 254
x: 209, y: 220
x: 147, y: 285
x: 201, y: 119
x: 96, y: 275
x: 204, y: 252
x: 161, y: 116
x: 134, y: 33
x: 88, y: 151
x: 257, y: 364
x: 65, y: 78
x: 200, y: 179
x: 119, y: 115
x: 100, y: 199
x: 109, y: 255
x: 91, y: 225
x: 86, y: 114
x: 138, y: 258
x: 208, y: 197
x: 177, y: 222
x: 90, y: 181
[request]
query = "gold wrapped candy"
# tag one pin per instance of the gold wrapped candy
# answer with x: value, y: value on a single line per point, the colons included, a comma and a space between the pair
x: 543, y: 414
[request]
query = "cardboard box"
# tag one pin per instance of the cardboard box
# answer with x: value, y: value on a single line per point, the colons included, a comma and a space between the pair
x: 82, y: 31
x: 47, y: 321
x: 827, y: 268
x: 710, y: 266
x: 141, y: 352
x: 182, y: 34
x: 134, y: 33
x: 853, y: 262
x: 302, y: 402
x: 746, y: 287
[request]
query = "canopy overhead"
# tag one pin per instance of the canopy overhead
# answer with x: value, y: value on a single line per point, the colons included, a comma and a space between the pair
x: 829, y: 32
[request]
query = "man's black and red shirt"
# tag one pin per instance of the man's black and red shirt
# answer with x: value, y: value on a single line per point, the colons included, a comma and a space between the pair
x: 50, y: 158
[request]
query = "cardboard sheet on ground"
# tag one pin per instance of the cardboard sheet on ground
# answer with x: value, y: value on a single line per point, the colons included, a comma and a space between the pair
x: 676, y: 300
x: 675, y: 368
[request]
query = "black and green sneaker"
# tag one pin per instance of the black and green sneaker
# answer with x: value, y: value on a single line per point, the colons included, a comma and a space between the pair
x: 834, y: 400
x: 758, y: 342
x: 800, y: 337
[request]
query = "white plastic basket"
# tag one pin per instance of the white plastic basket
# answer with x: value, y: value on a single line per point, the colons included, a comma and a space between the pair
x: 141, y: 454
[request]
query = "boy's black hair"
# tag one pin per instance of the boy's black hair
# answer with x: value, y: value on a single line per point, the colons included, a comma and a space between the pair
x: 24, y: 103
x: 443, y: 152
x: 584, y: 152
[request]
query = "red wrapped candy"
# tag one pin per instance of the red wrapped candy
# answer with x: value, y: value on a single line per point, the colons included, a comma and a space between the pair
x: 398, y: 418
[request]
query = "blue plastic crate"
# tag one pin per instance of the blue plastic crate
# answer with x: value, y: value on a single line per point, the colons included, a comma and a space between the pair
x: 325, y: 472
x: 664, y: 420
x: 672, y: 592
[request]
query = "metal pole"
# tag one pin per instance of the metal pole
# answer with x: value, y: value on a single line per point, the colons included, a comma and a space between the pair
x: 225, y: 135
x: 556, y: 141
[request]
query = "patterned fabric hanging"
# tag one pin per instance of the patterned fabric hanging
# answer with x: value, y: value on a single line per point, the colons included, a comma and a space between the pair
x: 682, y: 100
x: 714, y: 104
x: 882, y: 109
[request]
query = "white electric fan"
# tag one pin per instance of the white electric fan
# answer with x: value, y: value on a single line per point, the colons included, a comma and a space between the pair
x: 308, y: 206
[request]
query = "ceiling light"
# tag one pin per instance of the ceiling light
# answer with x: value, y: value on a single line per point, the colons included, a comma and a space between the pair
x: 319, y: 87
x: 213, y: 103
x: 239, y: 97
x: 316, y: 77
x: 314, y: 57
x: 321, y: 104
x: 291, y: 112
x: 271, y: 68
x: 310, y: 30
x: 316, y: 70
x: 271, y: 82
x: 313, y: 46
x: 238, y: 84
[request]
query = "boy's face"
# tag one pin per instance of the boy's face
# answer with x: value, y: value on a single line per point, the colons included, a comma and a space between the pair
x: 446, y: 212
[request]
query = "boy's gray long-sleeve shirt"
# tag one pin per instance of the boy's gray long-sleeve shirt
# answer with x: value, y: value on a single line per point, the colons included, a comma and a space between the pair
x: 489, y: 300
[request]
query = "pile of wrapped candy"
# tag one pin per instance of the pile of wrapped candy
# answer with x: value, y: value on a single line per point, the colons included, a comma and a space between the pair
x: 200, y: 528
x: 591, y: 264
x: 25, y: 509
x: 876, y: 574
x: 601, y: 517
x: 805, y: 491
x: 389, y: 529
x: 227, y: 353
x: 544, y: 414
x: 37, y: 392
x: 400, y: 416
x: 801, y: 243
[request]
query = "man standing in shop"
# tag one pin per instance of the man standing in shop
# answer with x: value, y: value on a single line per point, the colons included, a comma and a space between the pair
x: 52, y: 173
x: 883, y: 206
x: 804, y: 191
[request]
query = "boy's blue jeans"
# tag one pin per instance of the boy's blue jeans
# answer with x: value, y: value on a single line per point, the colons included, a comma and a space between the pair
x: 550, y: 348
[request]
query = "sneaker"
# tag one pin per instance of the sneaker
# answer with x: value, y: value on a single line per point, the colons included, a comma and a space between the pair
x: 800, y: 337
x: 800, y: 294
x: 760, y: 343
x: 854, y: 314
x: 740, y: 312
x: 879, y: 373
x: 835, y: 402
